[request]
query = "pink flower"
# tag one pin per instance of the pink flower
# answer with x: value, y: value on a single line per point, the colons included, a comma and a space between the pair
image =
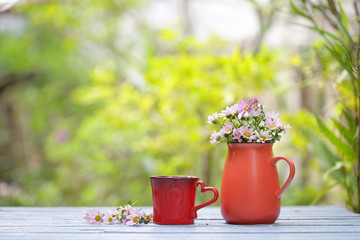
x: 225, y: 130
x: 247, y: 133
x: 108, y: 218
x: 117, y: 215
x: 245, y: 105
x: 147, y: 217
x: 62, y: 136
x: 125, y: 211
x: 93, y: 216
x: 215, y: 137
x: 273, y: 124
x: 133, y: 218
x: 255, y: 113
x: 237, y: 133
x: 254, y: 101
x: 272, y: 121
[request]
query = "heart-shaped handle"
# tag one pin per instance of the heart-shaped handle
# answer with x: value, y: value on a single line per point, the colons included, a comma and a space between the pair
x: 205, y: 189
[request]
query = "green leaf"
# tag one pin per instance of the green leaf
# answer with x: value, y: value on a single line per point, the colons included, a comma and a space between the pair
x: 344, y: 131
x: 325, y: 157
x: 343, y: 24
x: 338, y: 165
x: 350, y: 119
x: 339, y: 58
x: 322, y: 31
x: 337, y: 48
x: 129, y: 203
x: 322, y: 193
x: 298, y: 11
x: 344, y: 19
x: 337, y: 142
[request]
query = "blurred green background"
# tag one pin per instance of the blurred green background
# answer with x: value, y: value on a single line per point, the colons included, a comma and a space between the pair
x: 96, y: 96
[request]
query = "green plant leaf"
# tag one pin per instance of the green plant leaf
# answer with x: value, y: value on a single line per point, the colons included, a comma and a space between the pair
x: 324, y: 156
x: 338, y: 165
x: 340, y: 59
x: 337, y: 142
x: 344, y: 19
x: 342, y: 24
x: 350, y: 119
x: 344, y: 131
x: 321, y: 31
x: 322, y: 193
x: 298, y: 11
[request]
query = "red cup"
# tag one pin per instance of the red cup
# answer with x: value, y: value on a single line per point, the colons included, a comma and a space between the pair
x: 174, y: 199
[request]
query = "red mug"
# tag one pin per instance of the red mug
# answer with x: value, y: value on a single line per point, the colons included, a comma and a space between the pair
x: 174, y: 199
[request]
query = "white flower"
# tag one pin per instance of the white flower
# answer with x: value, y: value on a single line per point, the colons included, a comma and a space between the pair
x: 212, y: 119
x: 225, y: 130
x: 215, y: 137
x: 230, y: 112
x: 263, y: 136
x: 286, y: 127
x: 247, y: 133
x: 109, y: 218
x: 272, y: 116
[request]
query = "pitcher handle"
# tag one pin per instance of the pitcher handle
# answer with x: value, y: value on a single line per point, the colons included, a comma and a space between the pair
x: 205, y: 189
x: 280, y: 191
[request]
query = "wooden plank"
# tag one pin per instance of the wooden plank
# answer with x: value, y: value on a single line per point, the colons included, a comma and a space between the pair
x: 199, y: 228
x: 77, y: 222
x: 182, y: 236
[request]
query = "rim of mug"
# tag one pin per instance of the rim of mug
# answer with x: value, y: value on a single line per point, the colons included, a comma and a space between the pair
x: 173, y: 177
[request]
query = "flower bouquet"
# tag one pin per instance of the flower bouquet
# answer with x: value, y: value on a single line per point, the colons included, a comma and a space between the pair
x: 246, y: 123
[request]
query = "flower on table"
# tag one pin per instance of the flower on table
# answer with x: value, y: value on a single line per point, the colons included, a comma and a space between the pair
x: 93, y: 216
x: 133, y: 218
x: 117, y: 215
x: 147, y: 217
x: 109, y: 217
x: 126, y: 214
x: 125, y: 210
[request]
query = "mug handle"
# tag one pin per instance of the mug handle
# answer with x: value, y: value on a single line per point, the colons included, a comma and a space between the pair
x: 205, y: 189
x: 280, y: 191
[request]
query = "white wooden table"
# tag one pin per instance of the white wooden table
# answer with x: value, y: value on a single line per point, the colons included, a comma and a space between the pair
x: 305, y: 222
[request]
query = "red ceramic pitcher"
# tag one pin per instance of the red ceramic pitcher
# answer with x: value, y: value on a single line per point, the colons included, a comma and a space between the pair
x: 174, y: 199
x: 250, y: 192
